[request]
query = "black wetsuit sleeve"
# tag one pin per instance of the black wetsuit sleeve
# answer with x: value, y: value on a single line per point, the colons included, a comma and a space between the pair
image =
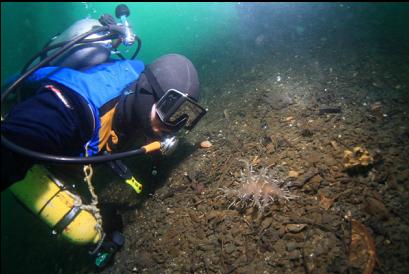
x: 45, y: 124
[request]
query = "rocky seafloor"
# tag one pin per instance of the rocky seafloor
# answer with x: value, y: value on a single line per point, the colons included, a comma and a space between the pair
x: 295, y: 116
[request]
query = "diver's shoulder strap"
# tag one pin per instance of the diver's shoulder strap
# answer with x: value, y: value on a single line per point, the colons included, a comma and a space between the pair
x: 157, y: 89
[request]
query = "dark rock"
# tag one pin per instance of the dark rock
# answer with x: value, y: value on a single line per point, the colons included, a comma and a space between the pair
x: 293, y: 255
x: 306, y: 132
x: 229, y: 248
x: 325, y: 110
x: 376, y: 208
x: 291, y: 246
x: 304, y: 178
x: 265, y: 140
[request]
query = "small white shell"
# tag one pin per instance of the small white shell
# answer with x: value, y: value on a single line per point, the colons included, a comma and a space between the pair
x: 205, y: 144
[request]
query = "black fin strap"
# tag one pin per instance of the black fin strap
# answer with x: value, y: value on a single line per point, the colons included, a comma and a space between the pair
x: 67, y: 219
x: 61, y: 186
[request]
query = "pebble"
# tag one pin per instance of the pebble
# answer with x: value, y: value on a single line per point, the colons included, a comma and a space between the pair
x: 205, y: 144
x: 294, y: 255
x: 334, y: 145
x: 229, y: 248
x: 295, y: 228
x: 293, y: 174
x: 266, y: 223
x: 376, y: 208
x: 291, y: 246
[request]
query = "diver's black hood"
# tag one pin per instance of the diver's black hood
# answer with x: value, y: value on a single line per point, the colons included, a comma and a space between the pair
x: 132, y: 115
x: 171, y: 71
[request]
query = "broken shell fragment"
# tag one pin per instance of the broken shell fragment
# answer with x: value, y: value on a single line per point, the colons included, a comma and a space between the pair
x: 293, y: 174
x: 362, y: 250
x: 334, y: 145
x: 325, y: 202
x: 295, y: 228
x: 205, y: 144
x: 376, y: 108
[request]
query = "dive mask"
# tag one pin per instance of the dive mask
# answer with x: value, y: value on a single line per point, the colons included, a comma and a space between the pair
x: 176, y: 110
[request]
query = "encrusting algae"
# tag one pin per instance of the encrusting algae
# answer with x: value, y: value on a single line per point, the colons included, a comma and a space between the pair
x: 357, y: 159
x: 258, y: 189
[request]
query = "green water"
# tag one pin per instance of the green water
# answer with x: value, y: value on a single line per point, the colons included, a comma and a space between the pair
x: 185, y: 28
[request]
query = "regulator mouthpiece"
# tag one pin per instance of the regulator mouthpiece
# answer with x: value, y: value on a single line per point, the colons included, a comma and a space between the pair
x: 121, y: 12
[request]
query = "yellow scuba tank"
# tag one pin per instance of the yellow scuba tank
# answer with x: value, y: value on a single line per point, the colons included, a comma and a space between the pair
x: 46, y: 197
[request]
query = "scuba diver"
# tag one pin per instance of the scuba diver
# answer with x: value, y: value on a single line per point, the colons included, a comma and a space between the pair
x: 89, y: 108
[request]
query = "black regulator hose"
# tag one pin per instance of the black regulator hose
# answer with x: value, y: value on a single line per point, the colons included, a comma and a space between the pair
x: 138, y: 48
x: 59, y: 159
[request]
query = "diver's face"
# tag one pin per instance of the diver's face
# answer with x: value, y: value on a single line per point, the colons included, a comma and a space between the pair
x: 157, y: 126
